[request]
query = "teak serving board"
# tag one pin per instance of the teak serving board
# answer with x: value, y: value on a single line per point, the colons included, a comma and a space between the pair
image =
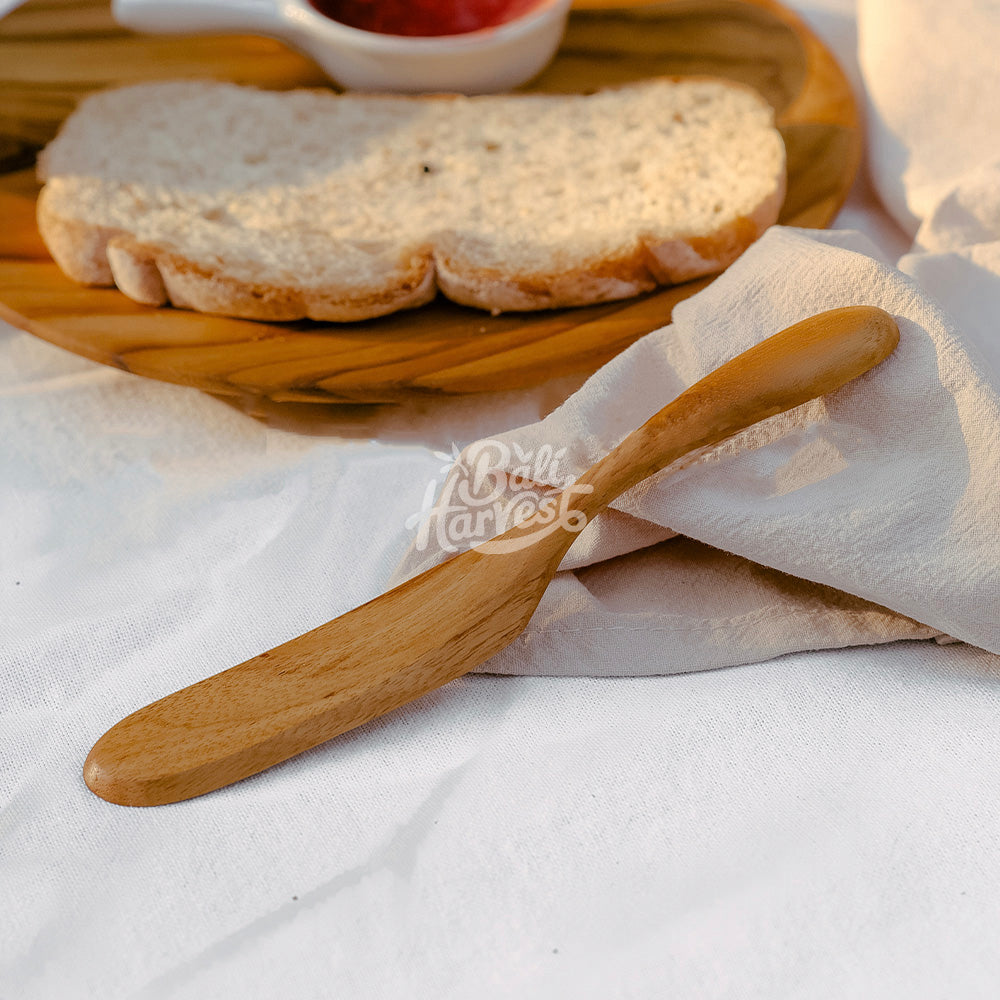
x: 52, y: 52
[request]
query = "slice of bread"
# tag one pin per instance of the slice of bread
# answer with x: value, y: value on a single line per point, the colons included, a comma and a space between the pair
x: 280, y: 206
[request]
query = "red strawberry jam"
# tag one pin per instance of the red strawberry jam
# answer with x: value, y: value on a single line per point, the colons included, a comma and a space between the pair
x: 423, y: 17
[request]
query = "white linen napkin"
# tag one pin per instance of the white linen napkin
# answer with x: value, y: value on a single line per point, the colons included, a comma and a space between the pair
x: 881, y: 496
x: 933, y: 86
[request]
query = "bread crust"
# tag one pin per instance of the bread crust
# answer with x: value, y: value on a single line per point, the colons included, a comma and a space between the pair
x: 653, y: 262
x: 155, y: 276
x: 689, y: 257
x: 79, y: 248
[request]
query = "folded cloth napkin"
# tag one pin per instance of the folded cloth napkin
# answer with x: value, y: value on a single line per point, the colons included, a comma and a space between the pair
x: 863, y: 517
x: 930, y: 72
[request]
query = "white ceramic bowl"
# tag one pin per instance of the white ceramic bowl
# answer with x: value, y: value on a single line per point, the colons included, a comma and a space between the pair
x: 485, y: 61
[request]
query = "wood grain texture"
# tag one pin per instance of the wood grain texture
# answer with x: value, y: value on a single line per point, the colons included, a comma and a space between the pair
x: 445, y: 622
x: 52, y: 52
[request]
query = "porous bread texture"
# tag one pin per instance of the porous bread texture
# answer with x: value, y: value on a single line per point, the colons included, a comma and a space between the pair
x: 287, y: 205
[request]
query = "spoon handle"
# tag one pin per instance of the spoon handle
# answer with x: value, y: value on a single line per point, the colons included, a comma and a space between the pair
x: 803, y: 361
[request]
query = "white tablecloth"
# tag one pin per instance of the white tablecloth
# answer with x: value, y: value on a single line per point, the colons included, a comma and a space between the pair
x: 819, y: 825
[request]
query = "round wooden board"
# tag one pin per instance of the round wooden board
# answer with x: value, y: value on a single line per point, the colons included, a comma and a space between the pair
x: 54, y: 51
